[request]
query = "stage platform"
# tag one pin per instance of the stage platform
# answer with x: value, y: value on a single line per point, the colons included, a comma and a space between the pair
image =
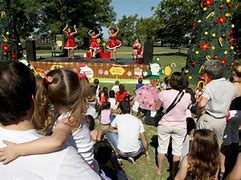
x: 94, y: 68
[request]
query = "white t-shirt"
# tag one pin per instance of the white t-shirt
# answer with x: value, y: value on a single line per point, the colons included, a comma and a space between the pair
x: 129, y: 128
x: 81, y: 140
x: 113, y: 103
x: 92, y: 110
x: 116, y: 88
x: 61, y: 165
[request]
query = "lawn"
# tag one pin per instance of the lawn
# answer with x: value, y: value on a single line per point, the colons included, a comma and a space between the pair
x: 143, y: 169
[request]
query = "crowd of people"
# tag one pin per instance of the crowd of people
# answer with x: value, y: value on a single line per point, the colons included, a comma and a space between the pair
x: 48, y: 126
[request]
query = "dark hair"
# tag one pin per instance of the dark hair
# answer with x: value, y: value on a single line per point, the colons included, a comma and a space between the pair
x: 91, y: 122
x: 117, y: 82
x: 178, y: 81
x: 112, y: 94
x: 16, y: 90
x: 125, y: 107
x: 214, y: 69
x: 105, y: 92
x: 92, y: 91
x: 105, y: 106
x: 121, y: 88
x: 140, y: 80
x: 96, y: 82
x: 102, y: 152
x: 64, y: 89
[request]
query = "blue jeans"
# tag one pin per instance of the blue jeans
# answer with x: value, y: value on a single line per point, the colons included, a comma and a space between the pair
x: 113, y: 139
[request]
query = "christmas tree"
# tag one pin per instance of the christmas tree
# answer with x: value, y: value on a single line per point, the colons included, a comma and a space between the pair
x: 10, y: 48
x: 211, y: 39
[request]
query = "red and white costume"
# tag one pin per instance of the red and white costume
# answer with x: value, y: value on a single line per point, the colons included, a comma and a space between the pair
x: 94, y: 44
x: 70, y: 43
x: 113, y: 42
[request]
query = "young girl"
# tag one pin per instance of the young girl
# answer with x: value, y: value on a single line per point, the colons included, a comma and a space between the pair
x: 94, y: 45
x: 203, y: 160
x: 112, y: 100
x: 105, y: 115
x: 113, y: 43
x: 61, y: 93
x: 70, y: 44
x: 103, y: 96
x: 137, y: 50
x: 120, y: 96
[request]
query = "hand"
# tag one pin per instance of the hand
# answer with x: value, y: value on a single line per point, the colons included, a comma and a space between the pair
x: 8, y: 153
x: 74, y: 26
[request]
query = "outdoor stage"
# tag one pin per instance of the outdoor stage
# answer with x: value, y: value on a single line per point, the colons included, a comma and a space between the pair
x: 95, y: 68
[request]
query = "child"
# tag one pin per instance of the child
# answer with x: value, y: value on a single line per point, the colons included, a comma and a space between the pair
x: 97, y: 86
x: 116, y: 86
x: 203, y: 160
x: 103, y: 96
x: 113, y: 43
x: 61, y: 91
x: 92, y: 102
x: 96, y: 134
x: 112, y: 100
x: 105, y: 115
x: 122, y: 94
x: 137, y: 51
x: 139, y: 84
x: 70, y: 44
x: 94, y: 45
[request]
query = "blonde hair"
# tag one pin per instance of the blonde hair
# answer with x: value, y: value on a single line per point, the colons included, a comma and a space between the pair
x: 204, y: 158
x: 60, y: 88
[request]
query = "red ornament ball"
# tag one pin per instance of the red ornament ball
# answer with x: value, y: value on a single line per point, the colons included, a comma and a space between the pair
x: 222, y: 20
x: 209, y: 3
x: 215, y: 57
x: 230, y: 5
x: 230, y: 31
x: 231, y: 40
x: 5, y: 47
x: 223, y: 60
x: 221, y: 6
x: 204, y: 45
x: 14, y: 56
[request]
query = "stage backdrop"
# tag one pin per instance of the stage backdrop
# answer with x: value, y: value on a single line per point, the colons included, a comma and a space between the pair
x: 96, y: 70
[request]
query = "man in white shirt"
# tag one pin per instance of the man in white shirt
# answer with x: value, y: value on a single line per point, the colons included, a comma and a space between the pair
x: 17, y: 89
x: 130, y: 129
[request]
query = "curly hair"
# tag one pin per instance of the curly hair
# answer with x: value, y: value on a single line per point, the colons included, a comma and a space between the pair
x: 65, y: 90
x: 204, y: 157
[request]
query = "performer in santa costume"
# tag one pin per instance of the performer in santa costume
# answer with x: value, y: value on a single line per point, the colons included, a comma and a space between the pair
x: 113, y: 43
x: 94, y: 46
x: 70, y: 44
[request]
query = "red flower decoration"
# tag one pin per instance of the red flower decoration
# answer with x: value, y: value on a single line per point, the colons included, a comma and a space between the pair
x: 204, y: 45
x: 223, y: 60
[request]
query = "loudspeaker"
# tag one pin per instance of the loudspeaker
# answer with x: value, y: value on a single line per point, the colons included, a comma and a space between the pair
x: 148, y: 52
x: 30, y: 50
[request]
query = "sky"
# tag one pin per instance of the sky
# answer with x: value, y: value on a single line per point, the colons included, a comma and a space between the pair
x: 131, y: 7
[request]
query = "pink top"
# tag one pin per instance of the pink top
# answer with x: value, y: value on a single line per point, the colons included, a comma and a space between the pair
x: 105, y: 116
x: 177, y: 116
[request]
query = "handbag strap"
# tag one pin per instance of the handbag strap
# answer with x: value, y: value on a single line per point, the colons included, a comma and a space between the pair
x: 175, y: 101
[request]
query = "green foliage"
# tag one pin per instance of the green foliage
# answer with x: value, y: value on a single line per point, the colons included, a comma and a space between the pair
x: 45, y: 15
x: 211, y: 39
x: 127, y: 26
x: 237, y: 30
x: 176, y: 17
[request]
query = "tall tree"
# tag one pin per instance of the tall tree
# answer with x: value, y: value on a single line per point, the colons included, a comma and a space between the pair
x: 237, y: 30
x: 127, y: 26
x: 10, y: 46
x: 176, y: 17
x: 211, y: 39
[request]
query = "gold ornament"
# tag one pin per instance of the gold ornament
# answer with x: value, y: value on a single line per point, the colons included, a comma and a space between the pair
x: 205, y: 33
x: 214, y: 35
x: 2, y: 14
x: 210, y: 15
x: 225, y: 52
x: 199, y: 21
x: 228, y: 15
x: 205, y: 9
x: 220, y: 40
x: 213, y: 47
x: 197, y: 52
x: 186, y: 71
x: 208, y: 57
x: 228, y: 1
x: 232, y: 26
x: 7, y: 33
x: 231, y: 47
x: 190, y: 77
